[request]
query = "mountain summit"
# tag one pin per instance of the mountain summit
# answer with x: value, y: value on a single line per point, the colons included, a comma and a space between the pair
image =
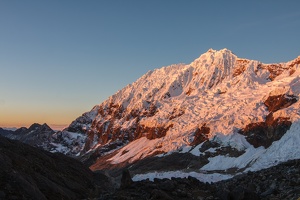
x: 218, y: 113
x: 238, y: 103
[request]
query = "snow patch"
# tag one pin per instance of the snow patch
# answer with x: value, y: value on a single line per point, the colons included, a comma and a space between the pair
x: 225, y: 162
x: 214, y: 177
x: 287, y: 148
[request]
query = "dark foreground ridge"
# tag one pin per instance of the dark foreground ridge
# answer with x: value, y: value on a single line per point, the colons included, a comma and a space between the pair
x: 30, y: 173
x: 281, y: 182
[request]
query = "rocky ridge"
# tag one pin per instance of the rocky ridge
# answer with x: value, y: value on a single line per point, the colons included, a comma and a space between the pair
x: 36, y: 135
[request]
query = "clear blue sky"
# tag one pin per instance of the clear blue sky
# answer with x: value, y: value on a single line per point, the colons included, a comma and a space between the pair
x: 59, y: 58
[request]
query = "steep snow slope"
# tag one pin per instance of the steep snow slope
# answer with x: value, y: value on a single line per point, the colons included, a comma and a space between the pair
x: 241, y: 106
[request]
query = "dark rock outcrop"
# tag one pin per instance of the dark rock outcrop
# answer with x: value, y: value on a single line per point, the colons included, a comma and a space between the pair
x: 265, y: 133
x: 201, y: 135
x: 278, y: 102
x: 126, y: 180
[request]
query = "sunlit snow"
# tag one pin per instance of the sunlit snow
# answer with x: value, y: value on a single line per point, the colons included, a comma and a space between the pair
x: 218, y: 89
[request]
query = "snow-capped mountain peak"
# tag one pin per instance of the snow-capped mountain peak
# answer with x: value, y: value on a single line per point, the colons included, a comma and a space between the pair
x: 219, y: 107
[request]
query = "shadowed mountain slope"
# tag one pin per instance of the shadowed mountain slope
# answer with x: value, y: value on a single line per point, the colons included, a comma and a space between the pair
x: 30, y: 173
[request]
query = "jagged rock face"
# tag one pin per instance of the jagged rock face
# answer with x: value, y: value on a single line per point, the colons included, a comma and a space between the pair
x: 277, y: 69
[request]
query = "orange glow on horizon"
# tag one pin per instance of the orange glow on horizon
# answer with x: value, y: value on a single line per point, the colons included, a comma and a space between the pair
x: 56, y: 121
x: 27, y: 125
x: 22, y: 114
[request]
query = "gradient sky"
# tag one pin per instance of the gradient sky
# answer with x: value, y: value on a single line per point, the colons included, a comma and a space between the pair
x: 59, y: 58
